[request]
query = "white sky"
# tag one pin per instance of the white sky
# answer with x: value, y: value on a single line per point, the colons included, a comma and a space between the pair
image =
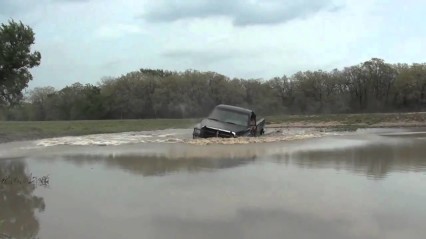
x: 85, y: 40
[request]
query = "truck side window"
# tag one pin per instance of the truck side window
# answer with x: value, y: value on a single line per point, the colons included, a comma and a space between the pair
x: 252, y: 119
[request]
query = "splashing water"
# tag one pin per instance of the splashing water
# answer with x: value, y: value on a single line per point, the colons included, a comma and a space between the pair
x: 180, y: 136
x: 113, y: 139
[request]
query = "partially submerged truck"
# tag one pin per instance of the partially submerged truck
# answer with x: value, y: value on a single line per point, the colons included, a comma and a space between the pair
x: 228, y: 121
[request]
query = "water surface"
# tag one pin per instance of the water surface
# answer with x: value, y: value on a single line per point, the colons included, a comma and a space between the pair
x: 365, y: 184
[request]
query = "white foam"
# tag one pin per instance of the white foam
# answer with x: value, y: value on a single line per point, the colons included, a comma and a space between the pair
x: 161, y: 136
x: 178, y: 136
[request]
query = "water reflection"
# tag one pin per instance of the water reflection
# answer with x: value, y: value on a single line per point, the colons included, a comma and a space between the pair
x: 159, y: 165
x: 374, y: 160
x: 17, y: 202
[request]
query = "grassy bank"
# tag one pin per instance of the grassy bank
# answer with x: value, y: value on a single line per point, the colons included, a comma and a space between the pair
x: 22, y: 130
x: 349, y: 120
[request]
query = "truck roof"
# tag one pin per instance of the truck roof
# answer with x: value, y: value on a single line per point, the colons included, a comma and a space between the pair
x: 234, y: 108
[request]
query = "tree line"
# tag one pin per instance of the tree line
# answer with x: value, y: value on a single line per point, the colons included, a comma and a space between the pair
x: 371, y: 86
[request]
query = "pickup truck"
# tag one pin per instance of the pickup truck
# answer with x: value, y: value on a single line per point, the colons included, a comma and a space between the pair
x: 228, y: 121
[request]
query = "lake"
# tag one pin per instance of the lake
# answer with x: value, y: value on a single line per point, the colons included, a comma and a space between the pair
x: 369, y: 183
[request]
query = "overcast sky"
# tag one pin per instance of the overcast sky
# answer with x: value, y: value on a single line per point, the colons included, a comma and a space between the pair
x: 85, y: 40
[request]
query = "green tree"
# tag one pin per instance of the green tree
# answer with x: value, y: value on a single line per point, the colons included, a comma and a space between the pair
x: 16, y: 59
x: 380, y: 77
x: 38, y: 98
x: 283, y: 90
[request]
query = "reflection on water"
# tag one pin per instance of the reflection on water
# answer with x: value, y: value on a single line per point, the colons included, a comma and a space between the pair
x: 156, y: 166
x: 374, y: 160
x: 17, y: 202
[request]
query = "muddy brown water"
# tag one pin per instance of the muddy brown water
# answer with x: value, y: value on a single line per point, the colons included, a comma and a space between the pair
x: 365, y: 184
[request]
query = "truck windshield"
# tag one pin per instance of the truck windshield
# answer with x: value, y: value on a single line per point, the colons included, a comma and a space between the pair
x: 228, y: 116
